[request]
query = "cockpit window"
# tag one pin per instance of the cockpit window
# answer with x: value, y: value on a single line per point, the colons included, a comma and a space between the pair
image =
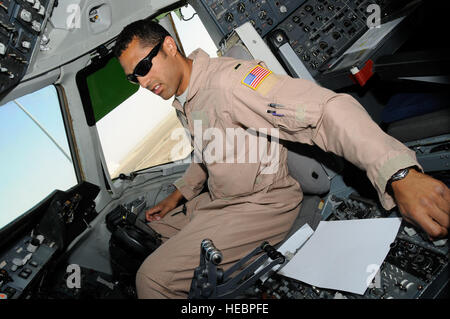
x: 35, y: 155
x: 143, y: 130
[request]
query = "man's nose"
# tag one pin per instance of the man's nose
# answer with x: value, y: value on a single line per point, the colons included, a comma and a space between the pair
x: 143, y: 82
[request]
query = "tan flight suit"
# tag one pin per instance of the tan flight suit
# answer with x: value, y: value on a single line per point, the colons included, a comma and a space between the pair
x: 246, y: 206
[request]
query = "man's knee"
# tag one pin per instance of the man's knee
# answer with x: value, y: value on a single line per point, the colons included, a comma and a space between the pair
x: 154, y: 281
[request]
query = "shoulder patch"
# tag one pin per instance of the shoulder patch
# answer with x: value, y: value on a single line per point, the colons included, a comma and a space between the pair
x: 255, y: 76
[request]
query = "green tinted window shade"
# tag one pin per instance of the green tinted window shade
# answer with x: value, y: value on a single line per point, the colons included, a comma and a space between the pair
x: 108, y: 88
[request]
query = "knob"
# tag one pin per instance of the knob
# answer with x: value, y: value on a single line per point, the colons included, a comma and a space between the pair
x: 283, y: 9
x: 33, y: 245
x: 40, y: 238
x: 25, y: 15
x: 211, y: 252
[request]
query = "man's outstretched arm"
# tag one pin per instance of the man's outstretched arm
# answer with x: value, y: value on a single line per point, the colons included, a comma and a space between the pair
x: 337, y: 123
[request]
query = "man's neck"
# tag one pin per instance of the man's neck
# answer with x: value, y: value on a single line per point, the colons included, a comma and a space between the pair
x: 186, y: 65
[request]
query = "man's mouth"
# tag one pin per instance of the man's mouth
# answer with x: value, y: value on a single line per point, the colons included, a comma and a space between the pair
x: 157, y: 89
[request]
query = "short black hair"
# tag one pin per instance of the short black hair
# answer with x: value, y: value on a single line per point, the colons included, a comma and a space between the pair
x: 147, y: 31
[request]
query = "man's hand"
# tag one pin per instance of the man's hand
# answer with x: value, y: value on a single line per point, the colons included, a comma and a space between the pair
x: 425, y: 202
x: 163, y: 207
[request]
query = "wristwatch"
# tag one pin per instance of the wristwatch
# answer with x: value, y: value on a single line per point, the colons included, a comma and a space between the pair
x: 401, y: 174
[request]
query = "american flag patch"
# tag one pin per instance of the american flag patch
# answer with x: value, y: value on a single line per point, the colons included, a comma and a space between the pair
x: 256, y: 75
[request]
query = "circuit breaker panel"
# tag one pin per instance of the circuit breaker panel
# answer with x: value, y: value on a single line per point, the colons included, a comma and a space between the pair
x: 21, y: 25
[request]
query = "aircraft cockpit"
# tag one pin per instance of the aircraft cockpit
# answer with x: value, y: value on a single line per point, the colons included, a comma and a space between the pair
x: 85, y: 153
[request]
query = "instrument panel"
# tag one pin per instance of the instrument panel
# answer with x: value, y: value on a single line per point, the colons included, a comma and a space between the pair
x: 264, y: 15
x: 415, y: 267
x: 318, y: 32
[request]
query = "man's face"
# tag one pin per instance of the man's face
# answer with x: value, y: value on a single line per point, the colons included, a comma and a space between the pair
x: 164, y: 77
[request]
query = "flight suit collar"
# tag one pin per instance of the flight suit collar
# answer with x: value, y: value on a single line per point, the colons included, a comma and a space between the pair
x: 201, y: 62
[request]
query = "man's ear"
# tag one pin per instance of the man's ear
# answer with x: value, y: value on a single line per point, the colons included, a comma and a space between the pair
x: 170, y: 46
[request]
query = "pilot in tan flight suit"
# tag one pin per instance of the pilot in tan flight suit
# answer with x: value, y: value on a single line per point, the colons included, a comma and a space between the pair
x: 251, y: 201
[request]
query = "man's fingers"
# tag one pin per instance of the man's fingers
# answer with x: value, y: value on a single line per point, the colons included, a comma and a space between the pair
x: 441, y: 216
x: 432, y: 227
x: 156, y: 213
x: 149, y: 215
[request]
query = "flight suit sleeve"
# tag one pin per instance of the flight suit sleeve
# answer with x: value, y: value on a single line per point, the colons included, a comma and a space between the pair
x: 192, y: 182
x: 302, y: 111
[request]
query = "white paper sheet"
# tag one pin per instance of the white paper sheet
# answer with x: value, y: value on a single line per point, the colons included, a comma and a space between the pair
x: 344, y: 255
x: 289, y: 247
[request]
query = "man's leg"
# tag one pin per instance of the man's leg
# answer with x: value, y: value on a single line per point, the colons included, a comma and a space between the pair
x: 235, y: 230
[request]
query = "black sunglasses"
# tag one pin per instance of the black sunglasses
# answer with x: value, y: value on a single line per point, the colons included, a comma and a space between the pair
x: 144, y: 66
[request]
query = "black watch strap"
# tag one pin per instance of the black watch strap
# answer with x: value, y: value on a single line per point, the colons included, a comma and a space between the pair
x: 399, y: 175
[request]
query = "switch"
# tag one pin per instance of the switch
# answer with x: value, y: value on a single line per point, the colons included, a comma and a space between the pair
x: 27, y: 258
x: 2, y: 49
x: 33, y: 263
x: 27, y: 270
x: 24, y: 274
x: 440, y: 242
x: 36, y: 26
x: 18, y: 262
x: 41, y: 11
x: 37, y: 5
x: 26, y: 45
x: 410, y: 231
x: 31, y: 2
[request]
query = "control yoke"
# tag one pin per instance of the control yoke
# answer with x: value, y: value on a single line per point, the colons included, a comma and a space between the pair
x: 211, y: 282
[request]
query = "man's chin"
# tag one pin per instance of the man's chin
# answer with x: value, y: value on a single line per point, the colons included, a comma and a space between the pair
x: 166, y: 95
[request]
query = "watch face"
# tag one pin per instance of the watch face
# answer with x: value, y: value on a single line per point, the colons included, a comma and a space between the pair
x: 400, y: 174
